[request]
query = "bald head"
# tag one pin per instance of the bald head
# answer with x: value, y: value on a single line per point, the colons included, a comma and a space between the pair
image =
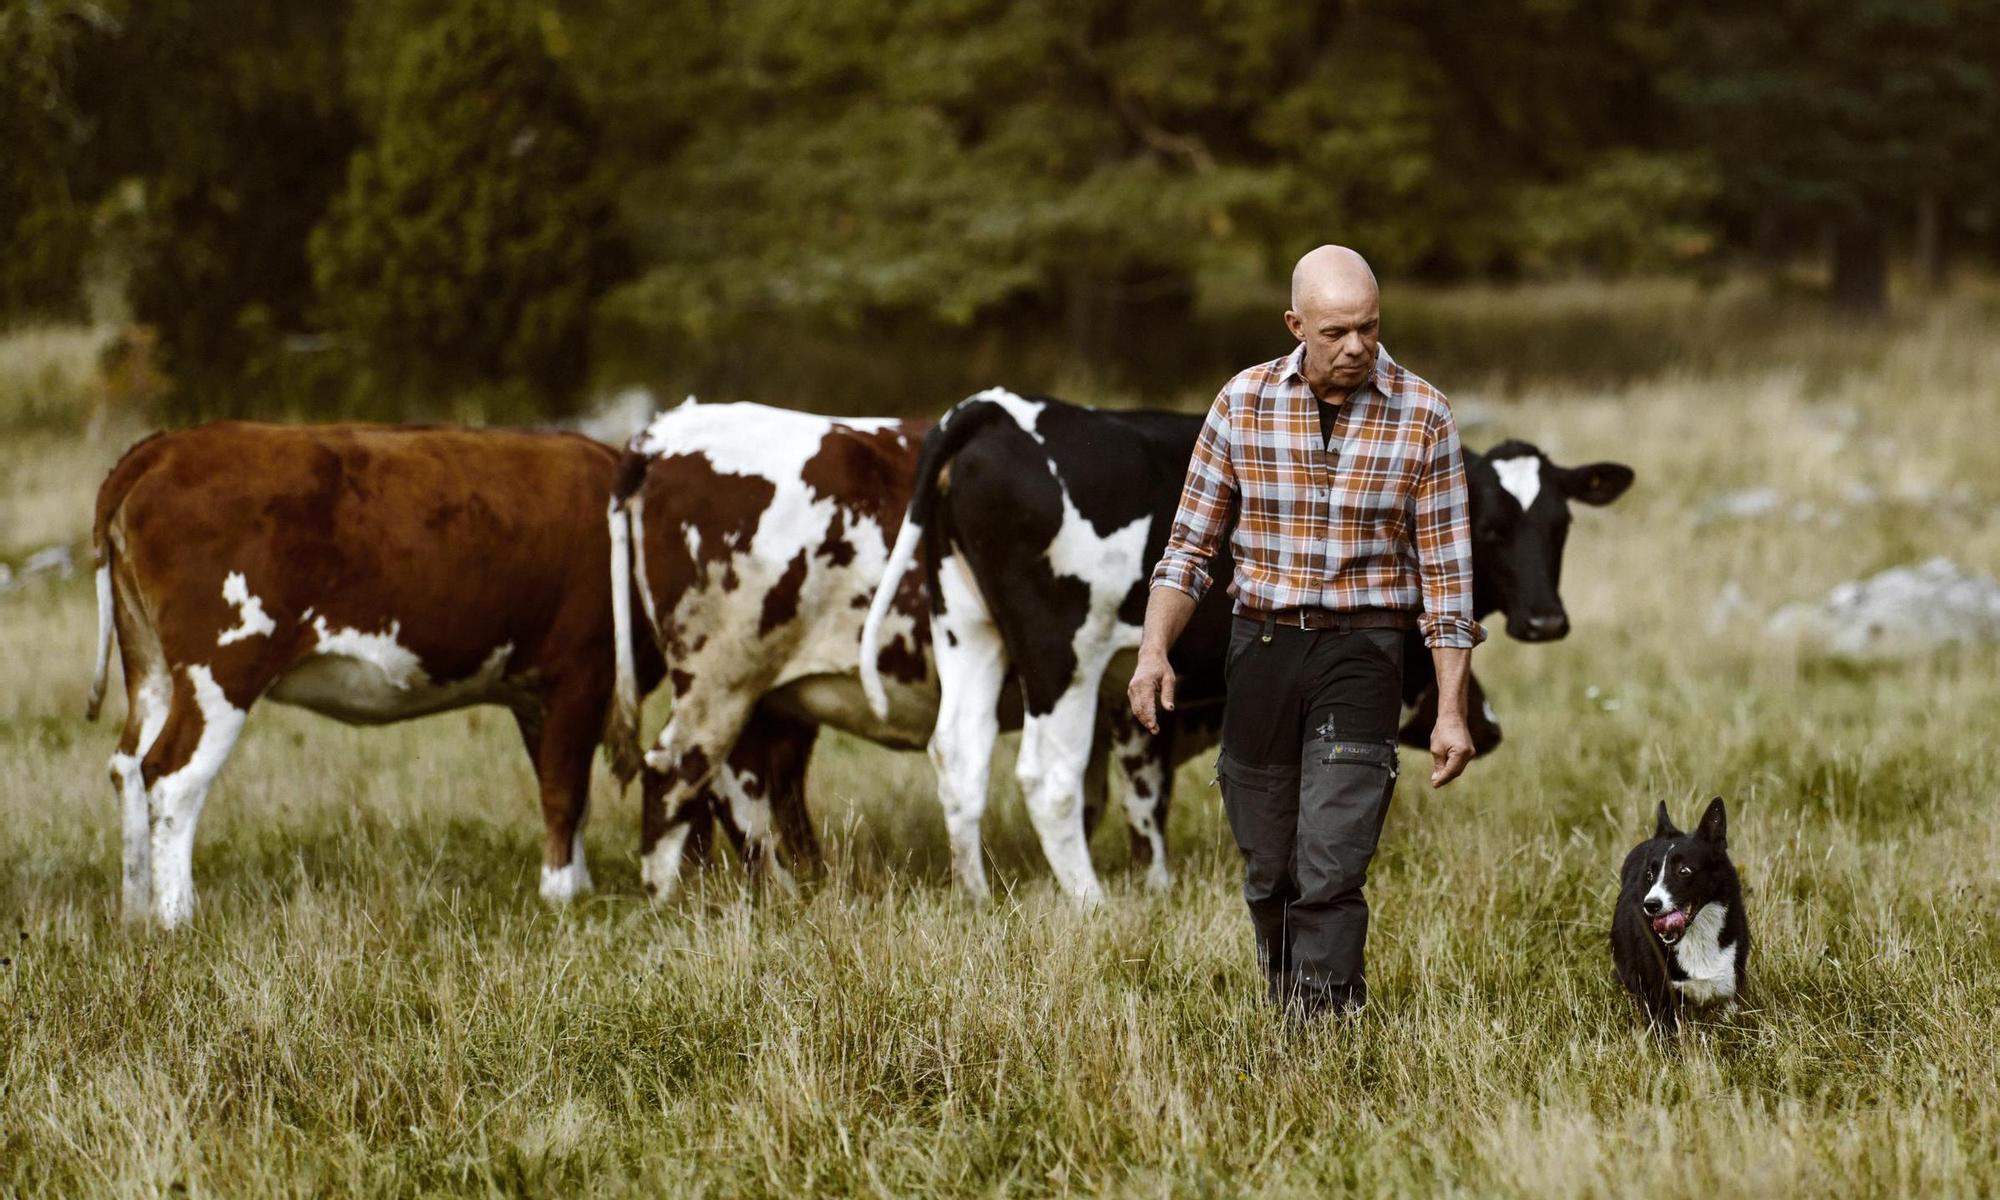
x: 1333, y: 272
x: 1336, y: 313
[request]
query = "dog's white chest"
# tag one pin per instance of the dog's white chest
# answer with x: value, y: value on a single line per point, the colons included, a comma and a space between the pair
x: 1710, y: 966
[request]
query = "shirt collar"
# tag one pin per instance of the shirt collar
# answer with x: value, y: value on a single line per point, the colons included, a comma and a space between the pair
x: 1381, y: 378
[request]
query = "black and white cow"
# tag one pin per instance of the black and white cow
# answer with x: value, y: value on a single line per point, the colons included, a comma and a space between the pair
x: 1519, y: 501
x: 753, y: 540
x: 1039, y: 524
x: 1036, y: 551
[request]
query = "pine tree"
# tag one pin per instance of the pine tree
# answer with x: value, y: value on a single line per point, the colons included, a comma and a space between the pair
x: 473, y: 235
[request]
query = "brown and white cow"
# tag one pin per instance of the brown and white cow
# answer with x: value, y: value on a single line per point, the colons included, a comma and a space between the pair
x: 759, y: 536
x: 369, y: 574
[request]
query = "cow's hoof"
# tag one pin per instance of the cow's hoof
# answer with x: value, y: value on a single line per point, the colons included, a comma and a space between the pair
x: 660, y: 865
x: 560, y: 885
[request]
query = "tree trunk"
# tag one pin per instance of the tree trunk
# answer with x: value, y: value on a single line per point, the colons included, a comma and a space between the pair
x: 1080, y: 298
x: 1860, y: 269
x: 1929, y: 249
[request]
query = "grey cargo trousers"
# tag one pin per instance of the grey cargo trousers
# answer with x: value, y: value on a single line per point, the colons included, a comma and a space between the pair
x: 1307, y: 767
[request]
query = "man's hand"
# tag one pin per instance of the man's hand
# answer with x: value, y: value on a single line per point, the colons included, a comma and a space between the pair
x: 1152, y: 689
x: 1451, y: 749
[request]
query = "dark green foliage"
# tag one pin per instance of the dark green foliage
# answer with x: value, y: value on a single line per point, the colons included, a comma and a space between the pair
x: 1112, y: 169
x: 44, y: 221
x: 229, y: 116
x: 1845, y: 117
x: 951, y: 190
x: 473, y: 234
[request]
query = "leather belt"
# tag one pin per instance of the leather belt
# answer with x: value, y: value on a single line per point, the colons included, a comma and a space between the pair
x: 1338, y: 620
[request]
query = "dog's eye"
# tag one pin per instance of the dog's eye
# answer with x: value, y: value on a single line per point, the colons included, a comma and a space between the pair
x: 1686, y: 870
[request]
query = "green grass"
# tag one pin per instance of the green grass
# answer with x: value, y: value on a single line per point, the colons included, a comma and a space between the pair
x: 372, y: 999
x: 45, y: 377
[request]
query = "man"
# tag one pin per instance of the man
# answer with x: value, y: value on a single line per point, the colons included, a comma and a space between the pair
x: 1344, y: 474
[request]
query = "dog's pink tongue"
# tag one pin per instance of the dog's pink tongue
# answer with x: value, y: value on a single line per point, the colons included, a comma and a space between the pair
x: 1671, y: 921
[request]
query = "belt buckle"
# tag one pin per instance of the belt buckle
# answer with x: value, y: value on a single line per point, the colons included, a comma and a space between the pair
x: 1302, y: 617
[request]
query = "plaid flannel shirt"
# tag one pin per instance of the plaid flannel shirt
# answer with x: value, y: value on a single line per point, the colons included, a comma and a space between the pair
x: 1380, y: 521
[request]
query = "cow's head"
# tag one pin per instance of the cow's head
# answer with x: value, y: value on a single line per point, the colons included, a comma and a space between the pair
x: 1520, y: 519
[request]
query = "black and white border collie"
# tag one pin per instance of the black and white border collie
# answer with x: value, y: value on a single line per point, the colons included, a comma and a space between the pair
x: 1679, y: 934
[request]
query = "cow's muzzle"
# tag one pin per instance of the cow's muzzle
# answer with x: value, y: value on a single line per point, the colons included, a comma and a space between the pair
x: 1540, y: 627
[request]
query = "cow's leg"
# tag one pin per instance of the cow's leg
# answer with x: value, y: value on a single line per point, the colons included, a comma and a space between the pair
x: 695, y: 743
x: 1097, y: 774
x: 971, y: 666
x: 148, y: 694
x: 1055, y: 753
x: 752, y: 828
x: 194, y: 741
x: 1147, y: 760
x: 562, y: 732
x: 740, y: 796
x: 1480, y: 719
x: 1416, y: 731
x: 698, y: 815
x: 768, y: 765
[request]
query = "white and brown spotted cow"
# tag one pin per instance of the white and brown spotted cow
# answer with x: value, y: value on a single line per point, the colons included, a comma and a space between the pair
x: 370, y: 574
x: 759, y: 536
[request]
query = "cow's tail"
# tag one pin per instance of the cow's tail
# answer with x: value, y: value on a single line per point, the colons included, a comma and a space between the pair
x: 109, y: 497
x: 100, y: 554
x: 621, y: 724
x: 920, y: 525
x: 900, y: 558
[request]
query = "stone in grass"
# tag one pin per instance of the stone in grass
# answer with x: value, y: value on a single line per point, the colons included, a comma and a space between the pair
x: 1902, y: 611
x: 56, y: 561
x: 1749, y: 504
x: 53, y: 560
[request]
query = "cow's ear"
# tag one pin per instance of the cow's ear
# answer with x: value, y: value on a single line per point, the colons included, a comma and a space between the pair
x: 1598, y: 483
x: 1714, y: 825
x: 1663, y: 825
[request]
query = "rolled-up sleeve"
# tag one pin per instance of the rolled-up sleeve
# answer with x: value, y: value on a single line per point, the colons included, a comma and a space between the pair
x: 1204, y: 508
x: 1444, y: 542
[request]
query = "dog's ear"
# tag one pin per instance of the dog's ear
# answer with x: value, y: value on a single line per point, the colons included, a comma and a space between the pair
x: 1714, y: 825
x: 1663, y: 825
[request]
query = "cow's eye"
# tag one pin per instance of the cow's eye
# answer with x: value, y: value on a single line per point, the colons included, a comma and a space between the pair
x: 1686, y: 870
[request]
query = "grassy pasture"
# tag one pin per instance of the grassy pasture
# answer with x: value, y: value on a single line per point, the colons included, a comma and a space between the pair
x: 372, y: 999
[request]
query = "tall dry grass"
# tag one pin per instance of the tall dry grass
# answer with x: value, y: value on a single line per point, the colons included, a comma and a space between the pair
x: 372, y: 999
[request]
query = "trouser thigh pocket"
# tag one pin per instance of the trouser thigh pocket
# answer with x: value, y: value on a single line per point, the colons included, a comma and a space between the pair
x: 1342, y: 803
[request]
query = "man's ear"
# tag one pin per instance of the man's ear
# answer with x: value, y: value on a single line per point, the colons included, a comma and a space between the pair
x: 1714, y: 825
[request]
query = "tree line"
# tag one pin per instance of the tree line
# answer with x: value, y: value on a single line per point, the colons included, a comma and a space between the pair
x: 372, y: 200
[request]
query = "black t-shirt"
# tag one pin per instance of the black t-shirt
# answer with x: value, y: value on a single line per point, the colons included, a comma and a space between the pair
x: 1328, y: 414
